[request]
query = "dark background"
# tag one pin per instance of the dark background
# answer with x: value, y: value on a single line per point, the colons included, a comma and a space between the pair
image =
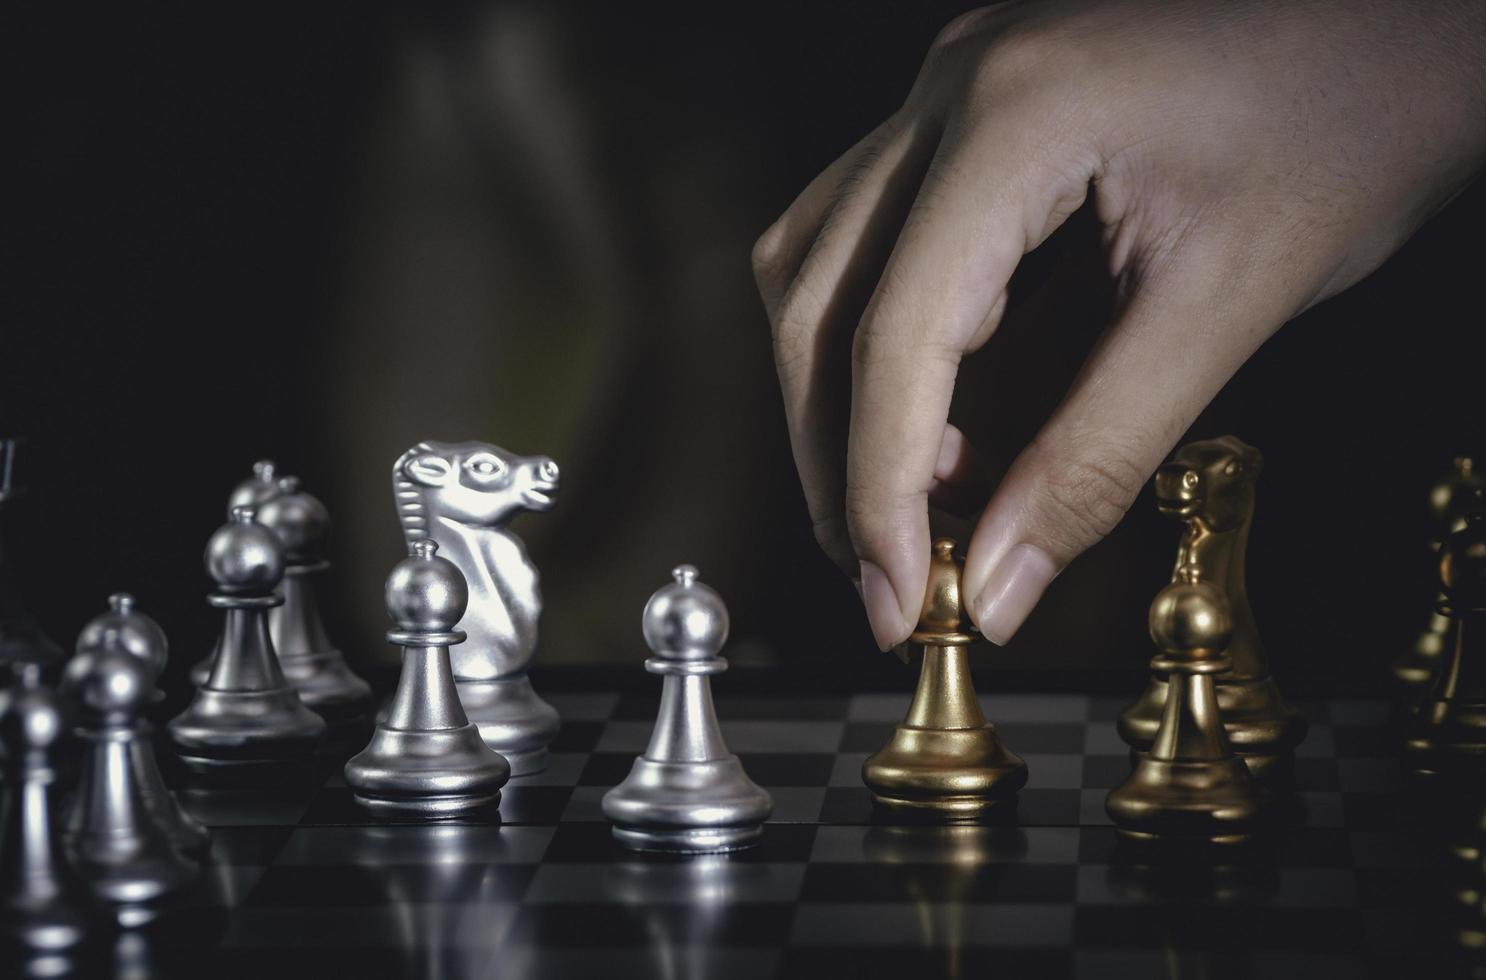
x: 322, y: 233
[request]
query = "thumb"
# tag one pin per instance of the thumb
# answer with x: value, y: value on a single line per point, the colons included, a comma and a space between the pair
x: 1169, y: 351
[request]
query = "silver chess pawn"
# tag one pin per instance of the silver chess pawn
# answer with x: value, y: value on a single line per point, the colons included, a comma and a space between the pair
x: 687, y: 792
x: 124, y: 628
x: 114, y: 840
x: 246, y: 712
x: 462, y: 495
x: 46, y: 914
x: 254, y: 492
x: 426, y: 757
x: 318, y: 671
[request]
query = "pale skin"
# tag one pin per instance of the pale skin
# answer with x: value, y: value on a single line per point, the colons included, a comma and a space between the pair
x: 1246, y: 159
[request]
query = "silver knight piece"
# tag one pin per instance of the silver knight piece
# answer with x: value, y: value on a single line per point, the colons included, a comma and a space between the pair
x: 462, y: 495
x: 687, y: 792
x: 426, y: 758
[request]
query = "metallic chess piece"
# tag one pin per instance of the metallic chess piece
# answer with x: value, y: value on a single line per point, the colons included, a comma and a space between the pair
x: 254, y: 492
x: 1189, y: 785
x: 46, y: 914
x: 944, y: 762
x: 1449, y: 499
x: 1209, y: 485
x: 426, y: 757
x: 1448, y: 735
x: 463, y: 495
x: 21, y: 639
x: 318, y: 671
x: 687, y: 792
x: 114, y: 840
x: 246, y: 712
x: 123, y: 628
x: 257, y: 489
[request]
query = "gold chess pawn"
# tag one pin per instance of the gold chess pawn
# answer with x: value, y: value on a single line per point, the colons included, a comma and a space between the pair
x: 1189, y: 786
x: 944, y: 762
x: 1209, y: 486
x: 1448, y: 735
x: 1416, y: 670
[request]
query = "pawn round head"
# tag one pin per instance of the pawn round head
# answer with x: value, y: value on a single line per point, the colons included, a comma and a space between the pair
x: 426, y: 593
x: 942, y: 611
x: 257, y: 489
x: 125, y: 628
x: 685, y: 620
x: 1463, y: 565
x: 31, y: 719
x: 299, y: 519
x: 243, y: 557
x: 1190, y: 618
x: 1454, y: 496
x: 108, y: 684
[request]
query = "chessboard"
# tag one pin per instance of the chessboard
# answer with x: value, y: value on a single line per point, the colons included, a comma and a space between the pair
x: 303, y: 882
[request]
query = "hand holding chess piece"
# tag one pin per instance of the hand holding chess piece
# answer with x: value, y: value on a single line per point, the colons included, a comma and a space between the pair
x: 1189, y: 786
x: 945, y: 761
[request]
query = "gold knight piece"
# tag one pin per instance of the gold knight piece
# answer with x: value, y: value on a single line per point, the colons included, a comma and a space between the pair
x: 944, y: 762
x: 1209, y: 485
x: 1189, y: 786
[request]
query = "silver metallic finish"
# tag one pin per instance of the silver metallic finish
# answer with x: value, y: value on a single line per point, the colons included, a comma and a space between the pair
x: 254, y: 492
x: 462, y: 495
x: 426, y: 758
x: 46, y: 913
x: 125, y: 629
x: 114, y: 841
x: 312, y: 663
x: 246, y: 712
x: 687, y: 792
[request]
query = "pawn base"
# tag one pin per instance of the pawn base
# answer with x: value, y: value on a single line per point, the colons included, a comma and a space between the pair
x: 705, y: 840
x: 702, y: 806
x: 1261, y: 726
x: 951, y: 775
x: 513, y: 720
x: 1209, y: 801
x: 228, y: 728
x: 431, y: 774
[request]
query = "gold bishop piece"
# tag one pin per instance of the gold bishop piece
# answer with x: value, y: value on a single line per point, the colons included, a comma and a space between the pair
x: 1209, y: 487
x: 1189, y: 786
x: 944, y: 762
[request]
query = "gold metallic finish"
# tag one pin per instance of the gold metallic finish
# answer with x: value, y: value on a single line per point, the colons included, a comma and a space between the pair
x: 1416, y: 670
x: 944, y: 762
x: 1189, y: 786
x: 1448, y: 735
x: 1209, y: 485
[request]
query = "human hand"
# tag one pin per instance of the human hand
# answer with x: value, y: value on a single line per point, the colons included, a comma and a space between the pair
x: 1246, y: 158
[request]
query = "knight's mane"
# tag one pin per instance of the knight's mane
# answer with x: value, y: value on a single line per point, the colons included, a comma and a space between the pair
x: 411, y: 513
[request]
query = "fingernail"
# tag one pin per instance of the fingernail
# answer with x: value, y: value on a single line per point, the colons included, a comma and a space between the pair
x: 884, y: 612
x: 1014, y: 587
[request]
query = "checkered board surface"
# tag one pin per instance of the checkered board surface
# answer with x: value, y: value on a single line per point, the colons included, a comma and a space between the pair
x: 306, y: 884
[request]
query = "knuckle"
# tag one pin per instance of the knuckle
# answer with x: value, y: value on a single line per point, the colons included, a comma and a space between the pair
x: 957, y: 30
x: 768, y: 255
x: 1085, y: 498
